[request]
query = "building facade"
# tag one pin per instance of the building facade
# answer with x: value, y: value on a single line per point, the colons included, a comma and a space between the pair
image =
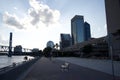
x: 65, y: 40
x: 87, y: 31
x: 35, y: 50
x: 80, y: 31
x: 18, y: 49
x: 77, y: 29
x: 99, y: 47
x: 113, y: 25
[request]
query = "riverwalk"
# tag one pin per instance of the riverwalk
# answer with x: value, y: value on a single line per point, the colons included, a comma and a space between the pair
x: 96, y: 64
x: 50, y: 69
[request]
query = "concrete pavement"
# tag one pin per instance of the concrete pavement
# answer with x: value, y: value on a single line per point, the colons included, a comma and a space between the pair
x: 96, y: 64
x: 46, y: 69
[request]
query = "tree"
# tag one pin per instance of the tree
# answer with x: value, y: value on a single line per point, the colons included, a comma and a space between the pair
x: 87, y: 49
x: 56, y: 45
x: 47, y: 51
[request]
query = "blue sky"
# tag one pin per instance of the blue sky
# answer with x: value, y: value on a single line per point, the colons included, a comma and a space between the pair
x: 34, y: 22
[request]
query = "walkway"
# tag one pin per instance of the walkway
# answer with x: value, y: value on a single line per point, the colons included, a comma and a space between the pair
x: 100, y: 65
x: 46, y: 69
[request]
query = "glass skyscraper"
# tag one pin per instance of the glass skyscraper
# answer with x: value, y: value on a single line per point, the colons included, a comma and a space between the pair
x: 77, y: 29
x: 80, y: 31
x: 65, y: 40
x: 87, y: 31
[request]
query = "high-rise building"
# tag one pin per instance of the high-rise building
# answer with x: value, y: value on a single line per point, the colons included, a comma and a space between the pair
x: 113, y: 24
x: 77, y: 29
x: 87, y: 31
x: 80, y: 31
x: 65, y: 40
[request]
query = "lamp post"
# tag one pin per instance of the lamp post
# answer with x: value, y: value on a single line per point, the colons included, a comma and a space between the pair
x: 110, y: 36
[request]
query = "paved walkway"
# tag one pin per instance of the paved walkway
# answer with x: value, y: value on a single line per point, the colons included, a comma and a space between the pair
x: 100, y: 65
x: 46, y: 69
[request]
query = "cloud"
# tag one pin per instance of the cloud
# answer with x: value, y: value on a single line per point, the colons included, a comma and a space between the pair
x: 105, y: 26
x: 99, y: 31
x: 38, y: 14
x: 105, y: 29
x: 43, y: 13
x: 12, y: 20
x: 3, y: 41
x: 15, y: 8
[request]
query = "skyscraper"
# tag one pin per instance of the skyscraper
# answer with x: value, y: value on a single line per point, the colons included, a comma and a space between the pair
x: 77, y: 29
x: 65, y: 40
x: 80, y: 31
x: 87, y: 31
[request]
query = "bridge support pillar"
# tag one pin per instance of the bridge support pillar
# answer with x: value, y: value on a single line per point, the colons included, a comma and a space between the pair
x: 10, y: 45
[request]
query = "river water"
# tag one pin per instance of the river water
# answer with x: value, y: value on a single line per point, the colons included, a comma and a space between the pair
x: 6, y: 61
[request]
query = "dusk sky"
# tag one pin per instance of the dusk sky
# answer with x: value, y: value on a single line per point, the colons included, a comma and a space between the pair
x: 35, y: 22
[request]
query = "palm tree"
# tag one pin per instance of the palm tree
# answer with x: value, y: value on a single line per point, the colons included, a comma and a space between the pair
x: 56, y: 45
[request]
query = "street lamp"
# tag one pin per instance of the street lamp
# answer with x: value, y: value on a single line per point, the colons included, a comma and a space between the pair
x: 110, y: 36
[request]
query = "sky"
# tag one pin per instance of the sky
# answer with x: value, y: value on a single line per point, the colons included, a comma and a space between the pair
x: 35, y: 22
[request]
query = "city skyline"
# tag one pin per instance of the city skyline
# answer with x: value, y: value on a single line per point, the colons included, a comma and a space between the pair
x: 35, y: 22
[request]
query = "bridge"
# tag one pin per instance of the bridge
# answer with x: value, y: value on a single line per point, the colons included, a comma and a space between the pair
x: 10, y: 50
x: 5, y: 50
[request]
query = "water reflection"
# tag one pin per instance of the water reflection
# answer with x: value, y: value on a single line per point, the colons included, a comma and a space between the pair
x: 5, y: 60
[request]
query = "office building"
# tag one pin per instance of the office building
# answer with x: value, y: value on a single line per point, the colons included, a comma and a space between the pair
x: 113, y: 24
x: 65, y: 40
x: 77, y: 29
x: 87, y: 31
x: 80, y: 31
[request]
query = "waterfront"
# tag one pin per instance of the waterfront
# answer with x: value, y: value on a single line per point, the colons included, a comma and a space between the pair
x: 78, y: 69
x: 6, y: 61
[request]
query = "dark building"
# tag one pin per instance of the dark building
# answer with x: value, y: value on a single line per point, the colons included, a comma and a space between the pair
x: 87, y: 31
x: 65, y: 40
x: 35, y: 50
x: 18, y: 49
x: 99, y: 47
x: 80, y: 31
x: 113, y: 25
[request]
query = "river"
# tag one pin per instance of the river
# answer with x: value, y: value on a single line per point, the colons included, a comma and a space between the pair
x: 6, y: 61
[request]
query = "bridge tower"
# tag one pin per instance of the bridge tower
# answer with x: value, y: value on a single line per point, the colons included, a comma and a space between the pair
x: 10, y: 45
